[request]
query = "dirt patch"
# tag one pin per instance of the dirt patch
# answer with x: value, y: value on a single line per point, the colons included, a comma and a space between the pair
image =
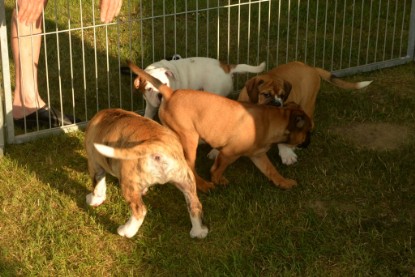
x: 375, y: 136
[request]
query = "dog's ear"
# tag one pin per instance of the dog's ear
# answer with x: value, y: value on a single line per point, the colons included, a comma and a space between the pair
x: 299, y: 120
x: 169, y: 74
x: 140, y: 83
x: 252, y: 89
x: 287, y: 90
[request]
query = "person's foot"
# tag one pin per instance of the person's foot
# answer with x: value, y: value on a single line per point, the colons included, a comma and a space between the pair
x: 45, y: 117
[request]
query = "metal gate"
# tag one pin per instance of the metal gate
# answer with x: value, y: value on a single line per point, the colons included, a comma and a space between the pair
x: 79, y: 67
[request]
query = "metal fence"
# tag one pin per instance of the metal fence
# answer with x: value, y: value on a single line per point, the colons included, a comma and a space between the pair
x: 80, y: 57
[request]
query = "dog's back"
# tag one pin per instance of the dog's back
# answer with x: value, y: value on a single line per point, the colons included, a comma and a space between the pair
x: 140, y: 136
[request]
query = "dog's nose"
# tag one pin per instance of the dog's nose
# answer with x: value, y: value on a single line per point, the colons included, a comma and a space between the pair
x: 276, y: 102
x: 306, y: 141
x: 159, y: 96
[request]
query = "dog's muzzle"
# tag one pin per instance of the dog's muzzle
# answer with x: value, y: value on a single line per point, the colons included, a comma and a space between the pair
x: 306, y: 141
x: 276, y: 102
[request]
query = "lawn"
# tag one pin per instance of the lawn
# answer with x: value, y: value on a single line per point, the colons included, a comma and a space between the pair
x: 352, y: 214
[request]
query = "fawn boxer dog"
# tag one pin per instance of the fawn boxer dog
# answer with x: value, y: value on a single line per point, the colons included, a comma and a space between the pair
x: 292, y: 82
x: 236, y: 129
x: 196, y: 73
x: 140, y: 153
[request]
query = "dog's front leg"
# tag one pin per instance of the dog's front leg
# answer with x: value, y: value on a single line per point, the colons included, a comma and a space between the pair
x: 99, y: 195
x: 267, y: 168
x: 287, y: 154
x: 138, y: 210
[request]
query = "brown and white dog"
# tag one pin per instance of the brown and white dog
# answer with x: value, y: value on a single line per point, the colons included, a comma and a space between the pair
x: 197, y: 73
x: 140, y: 153
x: 236, y: 129
x: 292, y: 82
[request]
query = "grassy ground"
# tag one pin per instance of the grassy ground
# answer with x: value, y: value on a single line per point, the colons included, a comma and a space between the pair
x: 353, y: 212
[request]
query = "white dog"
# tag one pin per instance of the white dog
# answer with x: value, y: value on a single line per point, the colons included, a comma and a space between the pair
x: 197, y: 73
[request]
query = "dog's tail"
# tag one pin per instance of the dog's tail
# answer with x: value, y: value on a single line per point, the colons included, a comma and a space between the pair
x: 329, y: 77
x: 163, y: 88
x: 246, y: 68
x: 134, y: 153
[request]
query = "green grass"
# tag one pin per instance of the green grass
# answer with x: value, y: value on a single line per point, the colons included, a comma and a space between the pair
x: 353, y: 212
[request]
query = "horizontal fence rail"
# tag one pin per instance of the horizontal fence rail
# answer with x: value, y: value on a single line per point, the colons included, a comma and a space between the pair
x: 79, y: 67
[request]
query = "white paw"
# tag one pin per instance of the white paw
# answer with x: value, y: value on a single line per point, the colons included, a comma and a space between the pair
x: 213, y: 154
x: 130, y: 228
x: 199, y: 232
x: 126, y: 231
x: 288, y: 157
x: 93, y: 200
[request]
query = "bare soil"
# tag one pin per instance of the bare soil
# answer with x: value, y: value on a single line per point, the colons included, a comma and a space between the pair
x: 376, y: 136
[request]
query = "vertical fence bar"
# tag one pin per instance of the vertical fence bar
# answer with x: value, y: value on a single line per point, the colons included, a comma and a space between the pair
x: 207, y: 28
x: 334, y: 35
x: 278, y: 32
x: 360, y: 33
x: 325, y: 32
x: 298, y: 30
x: 342, y: 37
x: 306, y: 32
x: 83, y: 60
x: 70, y: 60
x: 288, y: 31
x: 377, y: 30
x: 386, y: 31
x: 351, y: 36
x: 259, y: 32
x: 228, y: 35
x: 268, y: 31
x: 369, y: 32
x: 411, y: 38
x: 6, y: 88
x: 394, y: 29
x: 315, y: 34
x: 402, y: 29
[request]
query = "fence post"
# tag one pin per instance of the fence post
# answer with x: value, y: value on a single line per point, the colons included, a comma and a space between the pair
x: 4, y: 60
x: 411, y: 38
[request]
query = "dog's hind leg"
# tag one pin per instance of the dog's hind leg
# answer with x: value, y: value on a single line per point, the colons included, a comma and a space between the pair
x: 220, y: 165
x: 97, y: 174
x: 138, y: 210
x: 188, y: 187
x: 190, y: 144
x: 267, y: 168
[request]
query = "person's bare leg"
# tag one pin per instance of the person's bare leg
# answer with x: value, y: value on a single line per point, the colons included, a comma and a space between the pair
x: 26, y: 52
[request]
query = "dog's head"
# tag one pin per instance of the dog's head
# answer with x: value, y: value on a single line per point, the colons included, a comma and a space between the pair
x: 151, y: 93
x: 299, y: 126
x: 268, y: 91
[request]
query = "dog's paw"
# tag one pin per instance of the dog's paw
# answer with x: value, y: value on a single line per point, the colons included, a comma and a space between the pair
x: 199, y: 232
x: 126, y: 231
x: 130, y: 228
x: 220, y: 181
x: 94, y: 201
x: 287, y: 183
x: 213, y: 154
x: 288, y: 156
x: 204, y: 186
